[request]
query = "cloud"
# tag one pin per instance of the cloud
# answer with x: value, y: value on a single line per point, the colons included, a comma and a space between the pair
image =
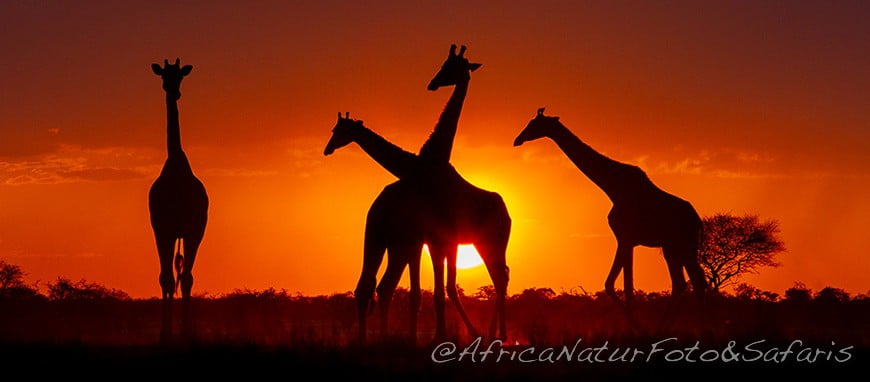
x: 28, y: 141
x: 740, y: 164
x: 18, y: 253
x: 71, y: 163
x: 305, y: 157
x: 241, y: 172
x: 726, y: 163
x: 54, y: 169
x: 101, y: 174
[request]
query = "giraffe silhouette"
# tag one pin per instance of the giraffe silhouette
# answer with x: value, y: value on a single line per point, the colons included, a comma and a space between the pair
x: 642, y: 213
x: 431, y: 203
x: 406, y: 215
x: 177, y: 202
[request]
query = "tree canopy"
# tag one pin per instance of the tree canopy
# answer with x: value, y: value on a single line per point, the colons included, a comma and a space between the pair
x: 736, y: 245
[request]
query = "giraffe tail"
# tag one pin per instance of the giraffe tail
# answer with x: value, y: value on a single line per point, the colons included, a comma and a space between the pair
x: 179, y: 265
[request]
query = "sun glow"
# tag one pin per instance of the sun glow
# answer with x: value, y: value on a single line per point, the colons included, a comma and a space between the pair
x: 466, y: 256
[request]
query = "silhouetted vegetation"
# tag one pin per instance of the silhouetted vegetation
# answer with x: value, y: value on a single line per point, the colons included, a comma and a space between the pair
x: 535, y: 294
x: 319, y: 332
x: 485, y: 293
x: 12, y: 283
x: 538, y: 315
x: 66, y: 290
x: 745, y: 291
x: 799, y: 293
x: 831, y: 295
x: 736, y: 245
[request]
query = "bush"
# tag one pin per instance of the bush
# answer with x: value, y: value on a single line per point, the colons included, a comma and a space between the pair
x: 65, y: 290
x: 533, y: 294
x: 485, y: 293
x: 748, y: 292
x: 798, y: 293
x: 12, y: 283
x: 832, y: 295
x: 270, y: 294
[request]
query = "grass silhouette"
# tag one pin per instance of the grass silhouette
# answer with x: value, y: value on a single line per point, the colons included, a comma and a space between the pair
x: 272, y: 329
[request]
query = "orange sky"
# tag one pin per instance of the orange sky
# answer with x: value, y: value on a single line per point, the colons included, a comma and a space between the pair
x: 737, y: 107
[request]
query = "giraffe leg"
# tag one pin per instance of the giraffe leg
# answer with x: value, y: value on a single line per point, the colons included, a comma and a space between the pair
x: 165, y: 249
x: 618, y: 265
x: 191, y: 246
x: 696, y: 274
x: 678, y: 286
x: 453, y: 294
x: 494, y: 257
x: 628, y: 274
x: 673, y: 257
x: 623, y: 261
x: 500, y: 297
x: 437, y: 255
x: 397, y: 259
x: 699, y: 282
x: 373, y: 255
x: 628, y: 282
x: 414, y: 297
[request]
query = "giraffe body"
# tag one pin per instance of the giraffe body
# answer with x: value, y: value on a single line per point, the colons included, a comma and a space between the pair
x: 642, y: 213
x: 178, y: 204
x: 408, y: 214
x: 433, y: 204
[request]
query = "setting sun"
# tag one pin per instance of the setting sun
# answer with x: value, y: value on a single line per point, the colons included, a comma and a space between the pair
x: 466, y: 257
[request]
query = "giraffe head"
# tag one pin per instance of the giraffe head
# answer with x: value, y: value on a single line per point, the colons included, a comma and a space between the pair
x: 172, y: 75
x: 539, y: 127
x: 342, y: 133
x: 454, y: 70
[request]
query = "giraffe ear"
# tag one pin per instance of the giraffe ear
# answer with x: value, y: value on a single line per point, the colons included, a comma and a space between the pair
x: 186, y: 70
x: 157, y: 69
x: 472, y: 67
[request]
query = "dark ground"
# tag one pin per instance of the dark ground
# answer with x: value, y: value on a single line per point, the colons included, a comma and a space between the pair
x: 268, y: 333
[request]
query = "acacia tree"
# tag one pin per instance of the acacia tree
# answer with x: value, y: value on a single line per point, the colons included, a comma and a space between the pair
x: 735, y: 245
x: 12, y: 282
x: 11, y: 276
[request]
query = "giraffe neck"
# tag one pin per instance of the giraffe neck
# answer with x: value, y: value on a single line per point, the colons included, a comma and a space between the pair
x: 614, y: 178
x: 173, y: 133
x: 393, y: 158
x: 439, y: 146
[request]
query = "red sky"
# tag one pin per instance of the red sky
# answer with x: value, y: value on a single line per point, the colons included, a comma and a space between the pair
x: 738, y: 107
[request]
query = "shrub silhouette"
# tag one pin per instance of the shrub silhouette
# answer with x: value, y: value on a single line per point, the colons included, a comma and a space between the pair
x: 831, y: 295
x: 746, y: 292
x: 799, y: 293
x: 65, y: 290
x: 535, y: 294
x: 270, y: 294
x: 485, y: 293
x: 12, y: 283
